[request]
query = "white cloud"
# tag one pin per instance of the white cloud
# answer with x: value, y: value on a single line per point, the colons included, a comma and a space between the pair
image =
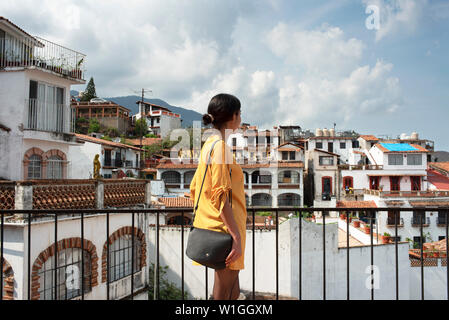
x: 315, y: 51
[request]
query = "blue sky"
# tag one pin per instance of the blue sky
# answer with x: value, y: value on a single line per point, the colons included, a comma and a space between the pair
x: 310, y: 63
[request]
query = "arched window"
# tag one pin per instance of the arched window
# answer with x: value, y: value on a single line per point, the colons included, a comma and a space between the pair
x: 188, y: 176
x: 261, y: 199
x: 68, y: 275
x: 120, y: 255
x: 35, y: 167
x: 289, y: 200
x: 171, y: 177
x: 8, y: 280
x: 54, y: 167
x: 288, y: 176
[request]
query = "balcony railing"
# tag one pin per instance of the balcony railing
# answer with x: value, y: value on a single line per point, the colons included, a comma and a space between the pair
x: 35, y: 52
x: 320, y: 229
x: 45, y: 116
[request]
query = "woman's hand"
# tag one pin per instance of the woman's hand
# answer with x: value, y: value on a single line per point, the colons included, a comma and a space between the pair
x: 236, y: 251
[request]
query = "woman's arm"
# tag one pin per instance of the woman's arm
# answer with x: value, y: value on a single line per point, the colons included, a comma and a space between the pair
x: 228, y: 218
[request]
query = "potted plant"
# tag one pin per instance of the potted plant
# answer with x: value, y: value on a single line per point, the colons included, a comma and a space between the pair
x: 435, y: 253
x: 425, y: 254
x: 367, y: 228
x: 386, y: 238
x: 443, y: 254
x: 356, y: 223
x: 343, y: 216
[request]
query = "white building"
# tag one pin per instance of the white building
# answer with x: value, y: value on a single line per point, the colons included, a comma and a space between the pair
x: 160, y: 120
x: 117, y: 160
x: 35, y: 80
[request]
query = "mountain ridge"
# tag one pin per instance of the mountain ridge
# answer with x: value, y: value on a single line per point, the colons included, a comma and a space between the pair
x: 187, y: 115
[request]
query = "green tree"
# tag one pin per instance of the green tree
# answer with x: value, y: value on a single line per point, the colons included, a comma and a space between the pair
x: 90, y: 92
x: 94, y: 125
x: 141, y: 127
x: 81, y: 125
x: 167, y: 290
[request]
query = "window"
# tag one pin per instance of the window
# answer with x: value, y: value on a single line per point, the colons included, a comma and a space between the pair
x: 284, y: 155
x: 120, y: 255
x: 68, y: 274
x: 330, y: 146
x: 54, y: 167
x: 268, y: 140
x: 292, y: 155
x: 288, y: 177
x: 319, y: 145
x: 188, y: 176
x: 35, y: 167
x: 395, y: 183
x: 348, y: 183
x: 326, y: 186
x: 395, y: 159
x: 355, y: 144
x: 326, y: 161
x: 394, y: 217
x: 414, y: 159
x: 234, y: 142
x: 419, y: 217
x: 374, y: 183
x: 342, y: 145
x: 171, y: 177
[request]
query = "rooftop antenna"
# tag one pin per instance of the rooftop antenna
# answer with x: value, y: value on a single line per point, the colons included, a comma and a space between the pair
x: 141, y: 117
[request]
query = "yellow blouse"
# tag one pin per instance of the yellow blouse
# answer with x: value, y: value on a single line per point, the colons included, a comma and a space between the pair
x: 222, y: 176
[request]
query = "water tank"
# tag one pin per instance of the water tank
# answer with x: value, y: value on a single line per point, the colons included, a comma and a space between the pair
x: 332, y: 132
x: 325, y: 132
x: 318, y: 132
x: 403, y: 136
x: 415, y: 136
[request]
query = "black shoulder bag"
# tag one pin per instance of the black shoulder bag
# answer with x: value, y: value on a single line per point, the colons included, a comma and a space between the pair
x: 207, y: 247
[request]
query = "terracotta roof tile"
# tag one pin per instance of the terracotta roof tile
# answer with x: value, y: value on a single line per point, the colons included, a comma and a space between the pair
x: 440, y: 165
x: 176, y: 202
x: 145, y: 141
x: 84, y: 137
x: 441, y: 182
x: 356, y: 204
x: 368, y: 137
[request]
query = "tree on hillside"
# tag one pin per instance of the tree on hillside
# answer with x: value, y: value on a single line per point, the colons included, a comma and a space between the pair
x: 90, y: 92
x: 94, y: 125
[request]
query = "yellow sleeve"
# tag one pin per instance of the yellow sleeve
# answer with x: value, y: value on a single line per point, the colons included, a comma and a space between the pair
x: 193, y: 187
x: 221, y: 180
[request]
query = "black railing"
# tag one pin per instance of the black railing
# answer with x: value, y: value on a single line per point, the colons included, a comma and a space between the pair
x: 370, y: 214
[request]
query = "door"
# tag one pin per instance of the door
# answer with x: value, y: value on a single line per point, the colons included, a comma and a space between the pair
x: 107, y: 158
x: 394, y: 184
x: 416, y: 183
x: 374, y: 183
x: 330, y: 147
x: 327, y: 185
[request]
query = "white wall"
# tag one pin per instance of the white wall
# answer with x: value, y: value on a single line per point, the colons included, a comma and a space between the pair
x: 312, y: 266
x: 42, y: 236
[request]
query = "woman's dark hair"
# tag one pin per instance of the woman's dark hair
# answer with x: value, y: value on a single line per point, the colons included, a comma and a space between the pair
x: 222, y: 107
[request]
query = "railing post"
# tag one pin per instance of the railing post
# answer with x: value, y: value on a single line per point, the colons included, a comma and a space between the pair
x: 99, y: 194
x: 23, y: 197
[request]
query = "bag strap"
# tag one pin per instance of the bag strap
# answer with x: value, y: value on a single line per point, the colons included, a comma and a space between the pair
x: 204, y: 177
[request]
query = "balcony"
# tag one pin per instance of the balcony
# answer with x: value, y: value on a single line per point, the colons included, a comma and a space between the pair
x: 38, y: 53
x: 333, y: 275
x: 45, y: 116
x: 416, y: 221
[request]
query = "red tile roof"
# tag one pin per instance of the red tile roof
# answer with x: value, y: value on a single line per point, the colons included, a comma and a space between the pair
x: 441, y: 182
x: 368, y: 137
x: 84, y: 137
x: 421, y: 203
x: 176, y: 202
x: 145, y: 141
x: 356, y: 204
x: 440, y: 165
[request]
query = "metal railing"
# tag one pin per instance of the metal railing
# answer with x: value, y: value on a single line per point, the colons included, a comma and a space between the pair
x: 370, y: 215
x: 36, y: 52
x: 45, y: 116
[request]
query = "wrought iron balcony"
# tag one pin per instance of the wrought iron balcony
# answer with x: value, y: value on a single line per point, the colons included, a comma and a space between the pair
x: 38, y: 53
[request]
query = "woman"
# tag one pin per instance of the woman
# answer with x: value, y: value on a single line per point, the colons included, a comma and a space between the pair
x: 219, y: 209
